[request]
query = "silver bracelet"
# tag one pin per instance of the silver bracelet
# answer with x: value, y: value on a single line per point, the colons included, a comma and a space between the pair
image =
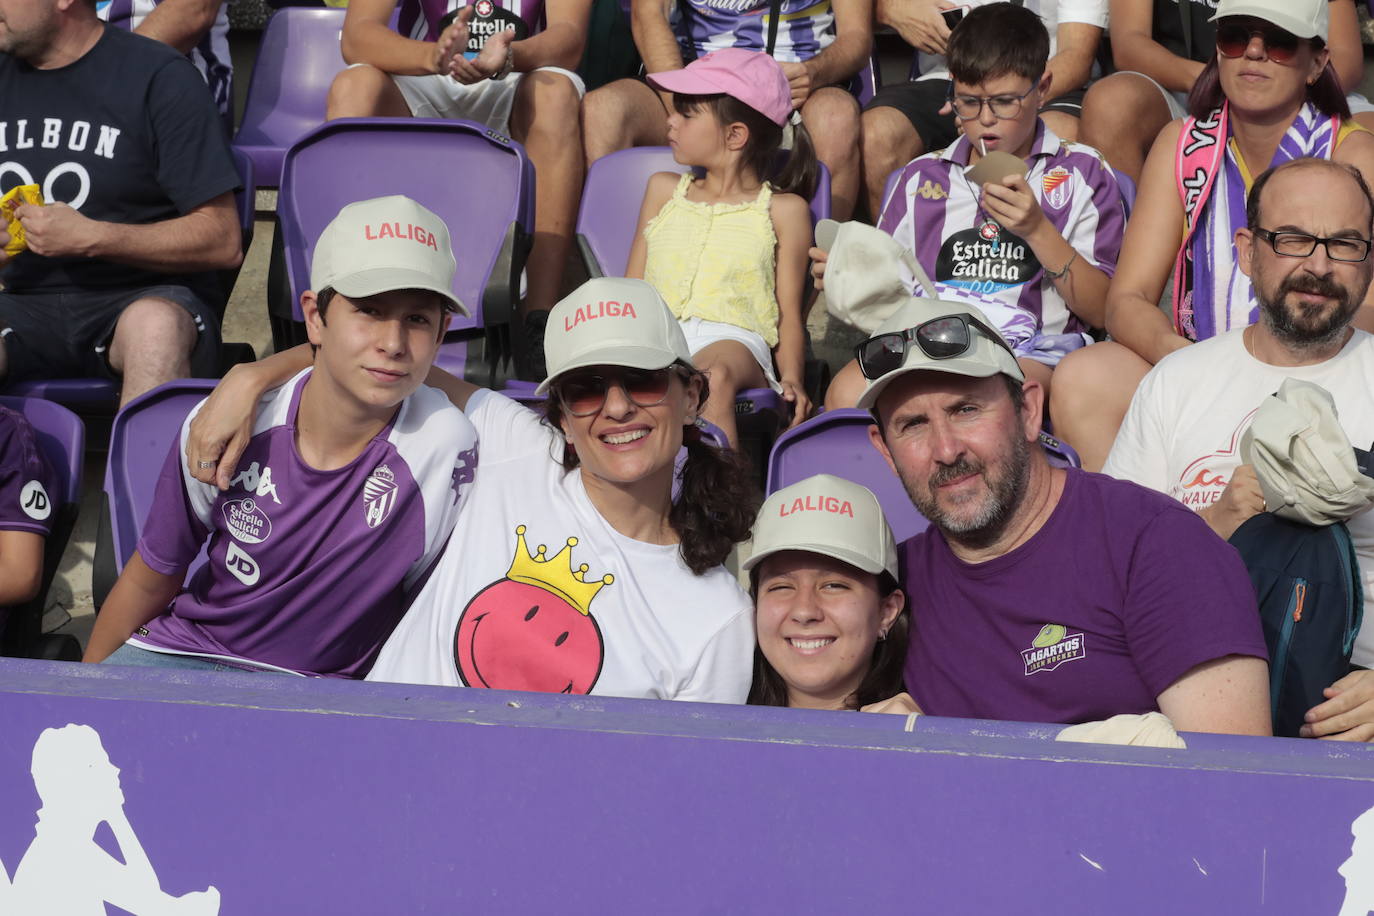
x: 507, y: 67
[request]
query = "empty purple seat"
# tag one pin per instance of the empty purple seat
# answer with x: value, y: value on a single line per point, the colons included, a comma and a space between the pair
x: 479, y: 182
x: 62, y: 439
x: 837, y: 442
x: 297, y: 60
x: 139, y: 439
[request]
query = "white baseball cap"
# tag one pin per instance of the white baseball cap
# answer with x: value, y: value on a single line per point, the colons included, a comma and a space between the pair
x: 385, y: 244
x: 983, y: 359
x: 1304, y: 18
x: 830, y: 516
x: 612, y: 321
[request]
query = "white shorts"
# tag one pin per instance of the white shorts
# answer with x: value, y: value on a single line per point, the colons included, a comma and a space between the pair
x: 701, y: 333
x: 488, y: 101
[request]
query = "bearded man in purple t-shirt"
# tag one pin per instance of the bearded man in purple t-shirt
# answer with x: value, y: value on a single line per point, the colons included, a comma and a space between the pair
x: 1042, y: 594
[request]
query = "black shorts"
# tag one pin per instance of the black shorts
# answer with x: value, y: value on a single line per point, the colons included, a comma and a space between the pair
x: 67, y: 335
x: 922, y: 100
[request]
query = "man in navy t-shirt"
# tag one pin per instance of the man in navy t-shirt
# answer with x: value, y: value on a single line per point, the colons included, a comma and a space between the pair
x: 1043, y: 594
x: 120, y: 136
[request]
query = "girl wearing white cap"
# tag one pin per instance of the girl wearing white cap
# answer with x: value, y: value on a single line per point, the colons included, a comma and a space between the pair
x: 572, y: 568
x: 1268, y: 95
x: 831, y: 621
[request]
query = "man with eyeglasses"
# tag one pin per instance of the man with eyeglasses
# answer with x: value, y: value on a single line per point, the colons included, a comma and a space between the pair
x: 1306, y: 248
x: 1043, y: 594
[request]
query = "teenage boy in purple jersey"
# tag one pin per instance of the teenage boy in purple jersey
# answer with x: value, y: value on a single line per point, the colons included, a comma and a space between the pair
x: 1033, y: 248
x: 1046, y: 594
x: 28, y: 487
x: 346, y: 492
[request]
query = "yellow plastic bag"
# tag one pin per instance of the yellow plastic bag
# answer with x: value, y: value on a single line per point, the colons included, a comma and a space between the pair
x: 23, y: 194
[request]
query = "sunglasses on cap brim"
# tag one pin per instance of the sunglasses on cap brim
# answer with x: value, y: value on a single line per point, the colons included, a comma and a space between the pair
x: 940, y: 338
x: 1234, y: 36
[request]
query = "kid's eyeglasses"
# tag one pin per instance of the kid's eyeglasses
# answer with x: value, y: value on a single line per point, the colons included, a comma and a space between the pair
x: 1004, y: 107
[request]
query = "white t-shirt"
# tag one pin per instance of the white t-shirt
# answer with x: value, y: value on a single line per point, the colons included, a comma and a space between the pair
x: 633, y: 621
x: 1182, y: 433
x: 1051, y: 12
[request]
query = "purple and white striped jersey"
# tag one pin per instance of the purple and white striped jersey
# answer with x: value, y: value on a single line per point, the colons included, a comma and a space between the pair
x: 419, y: 19
x: 211, y: 55
x: 805, y: 27
x: 933, y: 211
x: 308, y: 570
x: 28, y: 484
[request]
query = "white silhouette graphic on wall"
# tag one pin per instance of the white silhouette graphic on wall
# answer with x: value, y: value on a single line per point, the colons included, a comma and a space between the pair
x: 64, y: 872
x: 1358, y: 870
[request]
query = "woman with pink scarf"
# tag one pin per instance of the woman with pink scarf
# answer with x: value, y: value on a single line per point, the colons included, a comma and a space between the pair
x: 1269, y: 94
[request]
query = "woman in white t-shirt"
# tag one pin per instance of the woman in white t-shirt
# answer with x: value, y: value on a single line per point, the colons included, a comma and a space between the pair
x: 572, y: 568
x: 831, y: 620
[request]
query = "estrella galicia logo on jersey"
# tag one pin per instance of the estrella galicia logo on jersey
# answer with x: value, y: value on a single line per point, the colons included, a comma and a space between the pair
x: 379, y: 495
x: 33, y: 499
x: 1053, y: 646
x: 985, y: 264
x: 246, y: 521
x: 1058, y: 186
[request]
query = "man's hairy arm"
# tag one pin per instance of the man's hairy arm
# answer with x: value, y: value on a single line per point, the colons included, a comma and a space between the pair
x: 180, y: 23
x: 653, y: 36
x: 206, y: 238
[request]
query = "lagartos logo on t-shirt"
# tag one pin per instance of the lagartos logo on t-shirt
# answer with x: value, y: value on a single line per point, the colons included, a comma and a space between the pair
x: 1053, y: 646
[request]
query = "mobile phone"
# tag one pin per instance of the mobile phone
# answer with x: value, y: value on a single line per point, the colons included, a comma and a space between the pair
x: 952, y: 16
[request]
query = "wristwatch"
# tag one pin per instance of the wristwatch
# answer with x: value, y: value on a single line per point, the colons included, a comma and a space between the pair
x: 507, y: 67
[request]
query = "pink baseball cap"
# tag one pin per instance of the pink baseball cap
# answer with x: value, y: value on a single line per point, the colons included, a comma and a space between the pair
x: 752, y: 77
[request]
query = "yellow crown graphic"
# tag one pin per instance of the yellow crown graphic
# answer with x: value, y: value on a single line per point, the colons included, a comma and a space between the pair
x: 567, y: 583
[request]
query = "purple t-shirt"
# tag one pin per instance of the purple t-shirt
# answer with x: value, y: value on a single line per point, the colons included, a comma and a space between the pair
x: 308, y: 570
x: 28, y: 485
x: 1119, y: 594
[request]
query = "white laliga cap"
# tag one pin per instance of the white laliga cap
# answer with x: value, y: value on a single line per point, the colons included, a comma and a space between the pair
x: 984, y: 358
x: 1304, y: 18
x: 612, y: 321
x: 385, y: 244
x: 830, y: 516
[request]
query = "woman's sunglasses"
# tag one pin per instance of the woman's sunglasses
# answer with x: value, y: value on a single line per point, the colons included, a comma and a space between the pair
x: 939, y: 338
x: 1280, y: 45
x: 583, y: 393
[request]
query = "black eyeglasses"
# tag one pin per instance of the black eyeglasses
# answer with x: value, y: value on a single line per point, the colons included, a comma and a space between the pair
x: 1004, y: 107
x: 1299, y: 245
x: 1280, y: 45
x: 940, y: 338
x: 584, y: 393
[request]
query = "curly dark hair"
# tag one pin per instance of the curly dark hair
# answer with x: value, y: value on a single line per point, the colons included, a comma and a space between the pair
x: 883, y: 678
x: 717, y: 499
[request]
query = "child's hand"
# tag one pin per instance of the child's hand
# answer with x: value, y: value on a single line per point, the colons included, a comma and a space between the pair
x: 1011, y: 203
x: 819, y: 257
x: 801, y: 405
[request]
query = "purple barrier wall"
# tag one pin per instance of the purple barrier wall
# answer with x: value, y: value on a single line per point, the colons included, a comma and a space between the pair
x: 290, y: 796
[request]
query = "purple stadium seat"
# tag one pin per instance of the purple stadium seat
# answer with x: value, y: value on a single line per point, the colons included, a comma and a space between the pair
x: 836, y: 442
x: 867, y: 81
x: 298, y: 58
x: 62, y: 439
x: 478, y: 181
x: 1127, y: 189
x: 139, y: 439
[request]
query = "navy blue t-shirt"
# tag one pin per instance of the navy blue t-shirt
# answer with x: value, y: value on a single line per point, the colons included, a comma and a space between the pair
x: 127, y: 134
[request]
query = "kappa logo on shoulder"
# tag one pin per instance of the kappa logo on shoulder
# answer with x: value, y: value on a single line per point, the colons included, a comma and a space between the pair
x: 257, y: 481
x: 932, y: 191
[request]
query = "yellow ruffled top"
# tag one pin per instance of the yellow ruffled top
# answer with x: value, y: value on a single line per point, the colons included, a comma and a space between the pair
x: 716, y: 261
